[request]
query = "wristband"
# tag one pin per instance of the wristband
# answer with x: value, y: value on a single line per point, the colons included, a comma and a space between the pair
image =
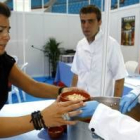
x: 37, y: 120
x: 60, y: 90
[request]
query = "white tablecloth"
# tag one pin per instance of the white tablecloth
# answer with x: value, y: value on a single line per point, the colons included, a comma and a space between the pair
x: 19, y: 109
x: 132, y: 81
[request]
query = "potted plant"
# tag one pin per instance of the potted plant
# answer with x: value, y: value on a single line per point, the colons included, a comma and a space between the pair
x: 51, y: 50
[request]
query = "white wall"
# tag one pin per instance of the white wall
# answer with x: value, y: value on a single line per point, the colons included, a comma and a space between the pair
x: 66, y: 29
x: 38, y: 28
x: 129, y: 52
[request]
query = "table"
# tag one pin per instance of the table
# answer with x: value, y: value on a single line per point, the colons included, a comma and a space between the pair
x: 131, y: 82
x: 19, y: 109
x: 64, y: 73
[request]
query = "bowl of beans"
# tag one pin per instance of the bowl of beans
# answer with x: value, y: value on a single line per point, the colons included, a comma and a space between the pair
x: 74, y: 96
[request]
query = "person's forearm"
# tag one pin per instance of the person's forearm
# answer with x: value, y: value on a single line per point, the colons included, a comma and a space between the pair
x: 118, y: 90
x: 11, y: 126
x: 43, y: 90
x: 31, y: 86
x: 74, y: 81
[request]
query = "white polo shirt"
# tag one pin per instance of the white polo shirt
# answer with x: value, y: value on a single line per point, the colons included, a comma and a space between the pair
x: 87, y: 64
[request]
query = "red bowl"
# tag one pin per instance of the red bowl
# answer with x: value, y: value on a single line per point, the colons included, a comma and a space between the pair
x: 55, y: 132
x: 77, y: 95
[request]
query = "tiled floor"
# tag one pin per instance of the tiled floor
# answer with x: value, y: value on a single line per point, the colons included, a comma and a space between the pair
x: 30, y: 98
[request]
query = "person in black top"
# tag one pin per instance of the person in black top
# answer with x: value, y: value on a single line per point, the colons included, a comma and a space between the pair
x: 9, y: 72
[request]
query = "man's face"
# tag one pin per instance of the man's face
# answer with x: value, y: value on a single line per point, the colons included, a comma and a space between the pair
x: 4, y: 33
x: 90, y: 25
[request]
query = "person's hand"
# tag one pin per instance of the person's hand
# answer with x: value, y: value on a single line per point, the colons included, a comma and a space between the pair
x: 54, y: 114
x: 88, y: 109
x: 125, y: 103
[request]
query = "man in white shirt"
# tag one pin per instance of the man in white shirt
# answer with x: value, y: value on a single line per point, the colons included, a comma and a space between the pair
x: 87, y: 64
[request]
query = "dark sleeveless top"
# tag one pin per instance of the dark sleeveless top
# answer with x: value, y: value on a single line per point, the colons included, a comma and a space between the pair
x: 6, y: 63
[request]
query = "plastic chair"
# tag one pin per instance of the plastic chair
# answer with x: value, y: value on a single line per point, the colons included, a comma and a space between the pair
x: 23, y: 67
x: 131, y: 67
x: 15, y: 57
x: 15, y: 90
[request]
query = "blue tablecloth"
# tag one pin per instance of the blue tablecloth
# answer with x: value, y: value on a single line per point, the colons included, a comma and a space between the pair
x: 64, y: 74
x: 126, y: 90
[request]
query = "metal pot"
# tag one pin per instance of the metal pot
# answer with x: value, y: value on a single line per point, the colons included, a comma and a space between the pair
x: 113, y: 102
x: 80, y: 131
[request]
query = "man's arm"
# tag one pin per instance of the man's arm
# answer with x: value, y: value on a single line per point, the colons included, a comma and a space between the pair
x: 119, y: 85
x: 108, y: 123
x: 74, y: 80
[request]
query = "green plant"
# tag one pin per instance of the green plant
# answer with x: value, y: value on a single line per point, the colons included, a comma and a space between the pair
x: 51, y: 50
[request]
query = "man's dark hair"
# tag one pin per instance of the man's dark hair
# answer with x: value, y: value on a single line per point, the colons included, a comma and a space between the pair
x: 4, y: 10
x: 91, y: 9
